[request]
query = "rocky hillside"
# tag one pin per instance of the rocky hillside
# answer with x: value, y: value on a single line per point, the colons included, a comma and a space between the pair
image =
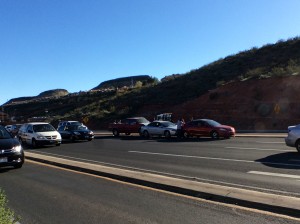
x: 254, y: 89
x: 126, y: 81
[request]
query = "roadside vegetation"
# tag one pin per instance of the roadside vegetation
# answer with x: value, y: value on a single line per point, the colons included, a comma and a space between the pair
x: 111, y: 102
x: 7, y: 216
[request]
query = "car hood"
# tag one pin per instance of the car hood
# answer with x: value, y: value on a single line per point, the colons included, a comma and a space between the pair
x: 8, y: 143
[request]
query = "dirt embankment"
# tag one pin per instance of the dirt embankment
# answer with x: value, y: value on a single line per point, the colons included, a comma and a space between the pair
x: 261, y: 104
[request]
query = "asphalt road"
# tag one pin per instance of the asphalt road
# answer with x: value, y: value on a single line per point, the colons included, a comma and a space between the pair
x: 41, y: 194
x: 262, y: 164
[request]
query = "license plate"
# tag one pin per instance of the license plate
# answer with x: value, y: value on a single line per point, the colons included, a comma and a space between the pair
x: 3, y: 160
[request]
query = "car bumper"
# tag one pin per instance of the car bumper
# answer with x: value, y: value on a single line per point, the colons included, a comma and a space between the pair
x: 289, y: 142
x: 48, y: 142
x: 11, y: 159
x: 84, y: 137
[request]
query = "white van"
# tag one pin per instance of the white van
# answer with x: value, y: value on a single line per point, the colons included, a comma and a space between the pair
x: 38, y: 134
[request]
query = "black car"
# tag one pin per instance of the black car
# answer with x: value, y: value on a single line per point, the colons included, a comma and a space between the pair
x: 11, y: 151
x: 75, y: 132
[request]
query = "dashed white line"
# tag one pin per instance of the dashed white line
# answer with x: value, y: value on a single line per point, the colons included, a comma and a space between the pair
x: 275, y: 174
x: 259, y: 149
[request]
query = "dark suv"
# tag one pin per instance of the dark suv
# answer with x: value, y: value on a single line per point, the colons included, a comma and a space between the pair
x: 11, y: 151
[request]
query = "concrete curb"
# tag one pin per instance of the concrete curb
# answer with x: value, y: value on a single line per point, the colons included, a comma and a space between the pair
x: 279, y: 204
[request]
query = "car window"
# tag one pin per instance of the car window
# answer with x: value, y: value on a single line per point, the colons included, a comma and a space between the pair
x: 142, y: 120
x: 167, y: 124
x: 43, y: 128
x: 29, y: 128
x: 4, y: 134
x: 152, y: 124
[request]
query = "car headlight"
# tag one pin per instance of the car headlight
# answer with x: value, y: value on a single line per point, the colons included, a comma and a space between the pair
x: 223, y: 129
x: 91, y: 132
x: 41, y: 137
x: 76, y: 133
x: 17, y: 148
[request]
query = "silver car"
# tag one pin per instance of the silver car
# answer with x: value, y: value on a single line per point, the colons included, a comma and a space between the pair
x: 159, y: 128
x: 293, y: 138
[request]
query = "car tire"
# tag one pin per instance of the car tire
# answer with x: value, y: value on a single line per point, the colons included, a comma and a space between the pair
x: 73, y: 139
x: 167, y: 134
x: 33, y: 143
x: 58, y: 144
x: 146, y: 134
x: 298, y: 145
x: 214, y: 135
x: 186, y: 135
x: 115, y: 133
x: 21, y: 141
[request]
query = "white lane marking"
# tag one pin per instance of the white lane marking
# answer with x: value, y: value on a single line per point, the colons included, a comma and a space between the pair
x: 271, y: 142
x: 275, y: 174
x: 215, y: 158
x: 259, y: 149
x: 176, y: 175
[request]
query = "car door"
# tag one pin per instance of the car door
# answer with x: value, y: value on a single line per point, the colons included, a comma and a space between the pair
x: 152, y: 128
x: 28, y: 134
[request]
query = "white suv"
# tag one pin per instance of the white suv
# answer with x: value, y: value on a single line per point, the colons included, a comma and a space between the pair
x: 38, y: 134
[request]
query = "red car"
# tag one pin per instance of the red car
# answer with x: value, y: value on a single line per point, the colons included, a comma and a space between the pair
x: 207, y: 128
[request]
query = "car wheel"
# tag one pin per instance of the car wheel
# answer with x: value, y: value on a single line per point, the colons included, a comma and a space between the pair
x: 186, y: 135
x: 33, y: 143
x: 167, y: 134
x: 298, y: 145
x: 20, y: 140
x: 115, y: 132
x: 58, y: 144
x: 73, y: 139
x: 214, y: 135
x: 146, y: 134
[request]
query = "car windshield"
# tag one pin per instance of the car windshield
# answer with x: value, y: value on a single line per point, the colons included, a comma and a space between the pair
x: 213, y: 123
x: 142, y: 120
x: 4, y: 134
x: 75, y: 127
x: 43, y: 128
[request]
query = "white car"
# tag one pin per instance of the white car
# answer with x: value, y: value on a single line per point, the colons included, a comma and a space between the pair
x: 38, y: 134
x: 160, y: 128
x: 293, y: 138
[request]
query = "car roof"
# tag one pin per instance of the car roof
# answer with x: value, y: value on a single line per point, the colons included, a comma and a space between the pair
x: 36, y: 123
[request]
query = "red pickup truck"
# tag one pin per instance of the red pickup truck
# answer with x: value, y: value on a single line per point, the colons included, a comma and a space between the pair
x: 128, y: 126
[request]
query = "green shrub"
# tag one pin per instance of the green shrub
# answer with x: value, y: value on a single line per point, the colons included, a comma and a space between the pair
x: 6, y: 215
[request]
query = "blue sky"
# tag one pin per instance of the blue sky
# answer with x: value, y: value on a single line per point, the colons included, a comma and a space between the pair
x: 77, y: 44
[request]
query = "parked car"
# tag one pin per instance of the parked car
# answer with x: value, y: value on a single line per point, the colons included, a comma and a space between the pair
x: 75, y: 132
x: 8, y: 127
x: 128, y: 125
x: 160, y: 128
x: 39, y: 134
x: 293, y: 138
x: 15, y: 129
x: 11, y: 151
x: 64, y: 123
x: 207, y: 128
